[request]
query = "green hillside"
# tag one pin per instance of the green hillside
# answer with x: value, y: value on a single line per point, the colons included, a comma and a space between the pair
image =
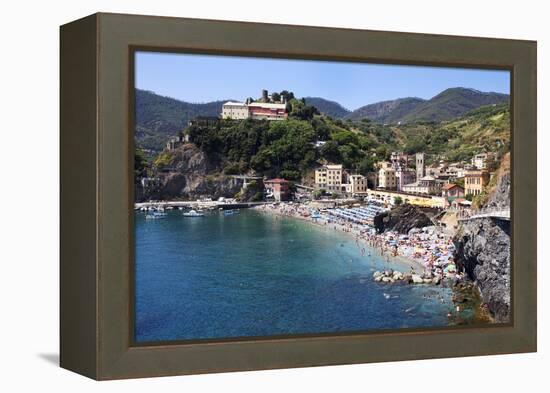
x: 452, y: 103
x: 448, y: 104
x: 287, y: 148
x: 327, y: 107
x: 158, y: 117
x: 386, y: 111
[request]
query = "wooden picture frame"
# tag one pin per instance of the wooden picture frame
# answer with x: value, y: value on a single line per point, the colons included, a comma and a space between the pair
x: 97, y: 194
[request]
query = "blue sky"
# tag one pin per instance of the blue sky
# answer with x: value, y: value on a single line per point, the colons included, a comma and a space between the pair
x: 203, y: 78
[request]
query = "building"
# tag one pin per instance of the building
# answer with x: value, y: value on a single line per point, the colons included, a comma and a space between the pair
x: 404, y: 176
x: 451, y: 190
x: 235, y: 110
x: 357, y: 184
x: 277, y: 189
x: 386, y: 178
x: 482, y: 160
x: 420, y: 166
x: 388, y: 197
x: 175, y: 142
x: 263, y: 109
x: 475, y: 181
x: 399, y: 159
x: 330, y: 177
x: 427, y: 185
x: 267, y: 111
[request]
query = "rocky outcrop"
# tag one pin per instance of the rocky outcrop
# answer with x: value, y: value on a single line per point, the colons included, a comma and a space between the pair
x: 189, y: 174
x: 483, y: 250
x: 500, y: 197
x: 402, y: 219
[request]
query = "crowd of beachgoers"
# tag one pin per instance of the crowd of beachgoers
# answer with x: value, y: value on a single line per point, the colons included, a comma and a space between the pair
x: 428, y: 251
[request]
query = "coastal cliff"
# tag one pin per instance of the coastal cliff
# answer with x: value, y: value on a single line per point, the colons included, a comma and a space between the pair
x: 187, y: 173
x: 483, y: 249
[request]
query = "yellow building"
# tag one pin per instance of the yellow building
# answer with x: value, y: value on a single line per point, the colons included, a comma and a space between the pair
x: 386, y: 178
x: 330, y: 177
x: 475, y: 181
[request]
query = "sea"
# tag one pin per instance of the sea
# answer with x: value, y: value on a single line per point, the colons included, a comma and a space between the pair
x: 255, y: 274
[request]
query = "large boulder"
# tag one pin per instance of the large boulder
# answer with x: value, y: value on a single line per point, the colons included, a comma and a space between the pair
x: 402, y: 219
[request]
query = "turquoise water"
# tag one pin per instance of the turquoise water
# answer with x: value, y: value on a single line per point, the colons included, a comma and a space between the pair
x: 255, y: 274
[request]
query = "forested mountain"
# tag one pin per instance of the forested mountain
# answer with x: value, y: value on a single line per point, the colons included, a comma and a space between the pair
x: 452, y: 103
x: 386, y: 111
x: 447, y: 105
x: 327, y: 107
x: 158, y: 117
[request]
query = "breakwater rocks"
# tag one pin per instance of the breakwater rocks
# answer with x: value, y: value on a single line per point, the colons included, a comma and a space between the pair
x: 393, y: 276
x: 401, y: 219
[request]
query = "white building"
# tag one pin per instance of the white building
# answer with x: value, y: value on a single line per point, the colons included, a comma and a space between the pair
x: 357, y: 184
x: 427, y: 185
x: 235, y: 110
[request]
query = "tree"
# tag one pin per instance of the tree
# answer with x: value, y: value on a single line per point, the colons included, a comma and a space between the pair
x: 397, y: 200
x: 329, y: 151
x: 276, y: 97
x: 318, y: 194
x: 382, y: 152
x: 287, y: 95
x: 140, y: 165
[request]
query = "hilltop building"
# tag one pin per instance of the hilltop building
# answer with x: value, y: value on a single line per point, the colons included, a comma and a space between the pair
x: 264, y: 109
x: 235, y: 110
x: 475, y: 181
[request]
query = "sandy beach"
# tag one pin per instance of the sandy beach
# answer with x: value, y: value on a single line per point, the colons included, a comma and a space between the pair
x: 425, y: 252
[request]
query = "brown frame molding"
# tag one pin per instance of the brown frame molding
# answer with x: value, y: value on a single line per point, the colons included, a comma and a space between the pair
x: 96, y: 194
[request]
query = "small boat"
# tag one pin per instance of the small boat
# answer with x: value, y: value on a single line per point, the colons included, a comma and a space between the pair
x: 230, y: 212
x: 155, y: 215
x: 193, y: 213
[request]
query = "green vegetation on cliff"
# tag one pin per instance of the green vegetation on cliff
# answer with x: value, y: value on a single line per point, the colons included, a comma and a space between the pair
x: 292, y: 148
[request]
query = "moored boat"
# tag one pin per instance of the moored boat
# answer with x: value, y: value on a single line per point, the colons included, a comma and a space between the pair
x: 155, y: 215
x: 193, y: 213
